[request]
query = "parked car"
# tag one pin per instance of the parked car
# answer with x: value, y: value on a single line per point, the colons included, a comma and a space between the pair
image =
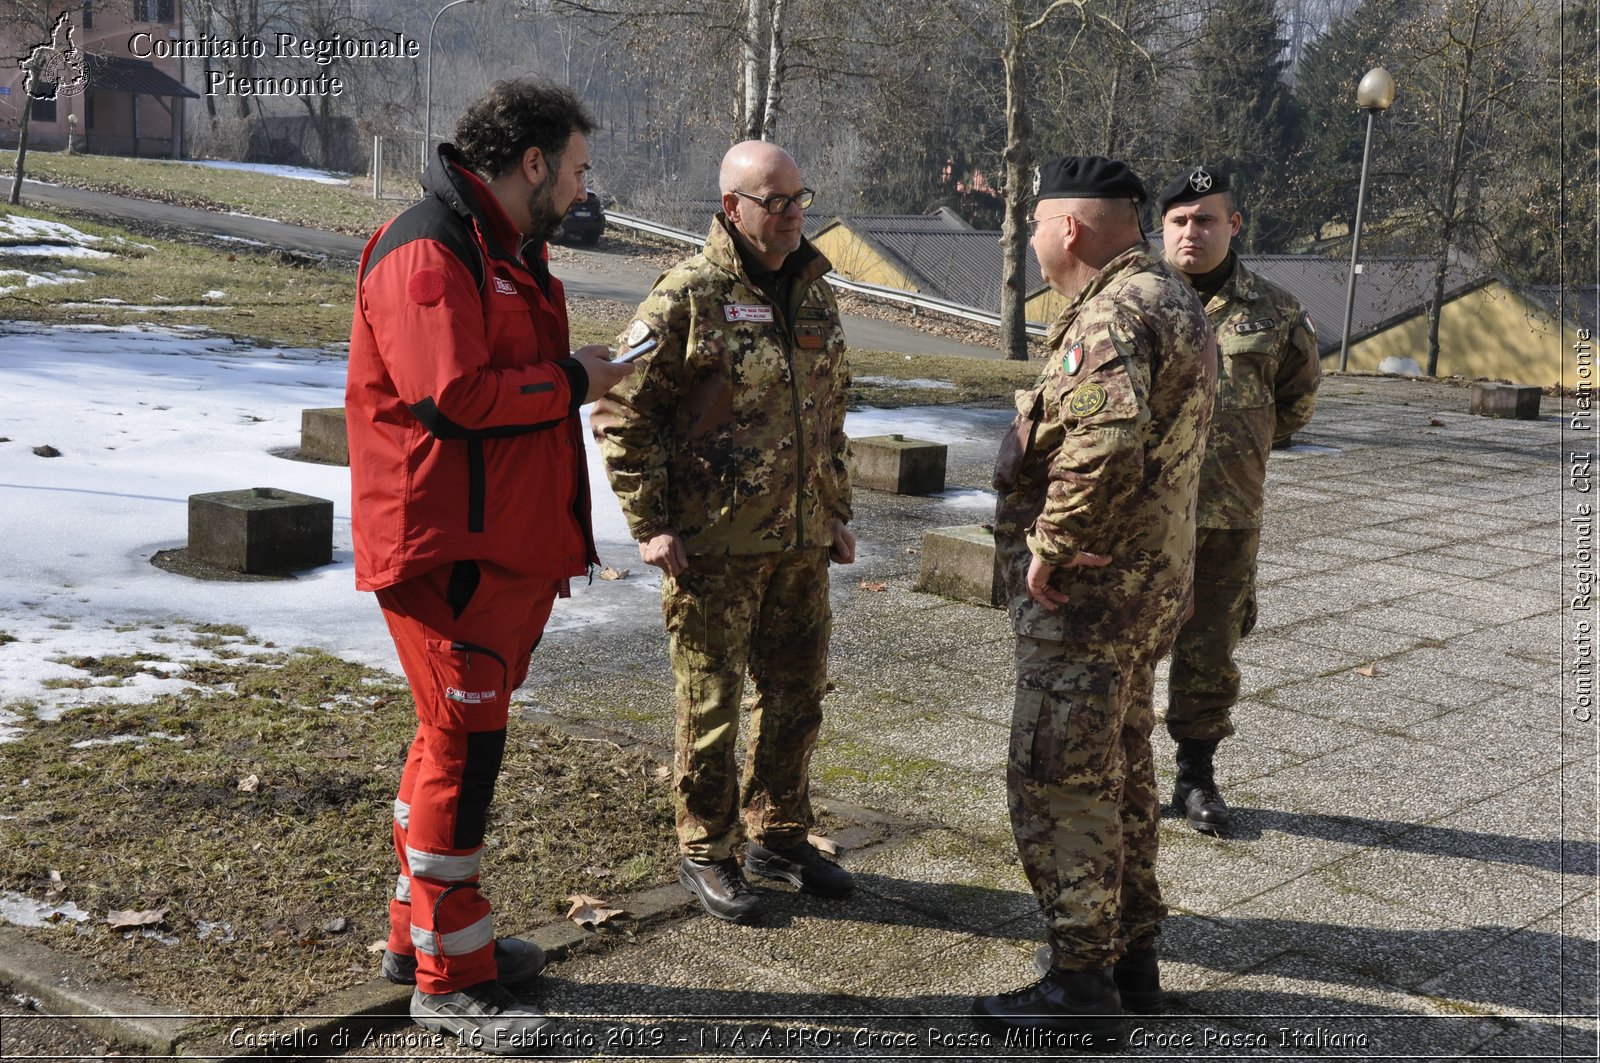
x: 584, y: 222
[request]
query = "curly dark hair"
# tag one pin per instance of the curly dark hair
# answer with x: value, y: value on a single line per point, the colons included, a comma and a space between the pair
x: 514, y: 116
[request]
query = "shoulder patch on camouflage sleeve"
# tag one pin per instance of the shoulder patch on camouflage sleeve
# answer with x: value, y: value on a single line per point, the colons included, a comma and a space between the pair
x: 637, y: 333
x: 1087, y: 400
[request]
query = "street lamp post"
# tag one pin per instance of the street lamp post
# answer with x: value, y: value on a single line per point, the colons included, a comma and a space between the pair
x: 427, y: 92
x: 1373, y: 95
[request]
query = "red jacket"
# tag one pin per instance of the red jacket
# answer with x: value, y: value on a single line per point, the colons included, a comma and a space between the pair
x: 462, y: 398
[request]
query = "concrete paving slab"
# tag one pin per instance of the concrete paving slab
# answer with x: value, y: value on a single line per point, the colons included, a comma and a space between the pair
x: 969, y: 882
x: 977, y: 744
x: 1459, y: 891
x: 1405, y: 616
x: 1272, y: 645
x: 1530, y: 1040
x: 1516, y: 718
x: 1483, y: 605
x: 1350, y: 634
x: 1354, y: 931
x: 1531, y: 973
x: 1390, y: 699
x: 1313, y: 1004
x: 1503, y: 668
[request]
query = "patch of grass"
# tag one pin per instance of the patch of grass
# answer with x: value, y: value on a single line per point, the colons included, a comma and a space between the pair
x: 164, y: 824
x: 6, y: 636
x: 340, y: 208
x: 977, y: 381
x: 167, y: 281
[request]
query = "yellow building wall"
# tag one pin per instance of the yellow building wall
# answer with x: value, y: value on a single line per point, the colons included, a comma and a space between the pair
x: 1491, y: 332
x: 855, y: 260
x: 1045, y: 305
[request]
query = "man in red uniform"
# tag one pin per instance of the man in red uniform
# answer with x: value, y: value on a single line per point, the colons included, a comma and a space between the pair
x: 470, y: 511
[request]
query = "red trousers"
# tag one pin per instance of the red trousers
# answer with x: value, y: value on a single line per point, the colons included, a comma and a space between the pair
x: 464, y: 632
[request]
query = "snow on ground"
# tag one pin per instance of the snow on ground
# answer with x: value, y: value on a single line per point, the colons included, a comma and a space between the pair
x: 299, y: 173
x: 143, y: 418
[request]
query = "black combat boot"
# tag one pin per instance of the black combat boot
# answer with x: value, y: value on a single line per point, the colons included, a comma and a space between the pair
x: 1137, y: 974
x: 1196, y: 796
x: 1064, y: 1010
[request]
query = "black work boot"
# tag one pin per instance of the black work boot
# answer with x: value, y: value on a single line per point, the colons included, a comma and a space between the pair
x: 1137, y: 974
x: 721, y: 888
x: 1196, y: 796
x: 1064, y: 1011
x: 800, y: 864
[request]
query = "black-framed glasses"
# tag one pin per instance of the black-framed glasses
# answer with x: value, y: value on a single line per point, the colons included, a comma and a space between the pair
x: 777, y: 204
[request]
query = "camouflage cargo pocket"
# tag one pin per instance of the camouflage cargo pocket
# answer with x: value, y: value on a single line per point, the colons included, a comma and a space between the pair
x: 1065, y: 726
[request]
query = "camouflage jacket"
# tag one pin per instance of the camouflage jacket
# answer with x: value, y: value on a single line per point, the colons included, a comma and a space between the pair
x: 1266, y: 391
x: 732, y: 433
x: 1104, y: 456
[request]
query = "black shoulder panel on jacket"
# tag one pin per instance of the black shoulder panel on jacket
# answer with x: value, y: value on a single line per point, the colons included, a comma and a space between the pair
x: 431, y: 219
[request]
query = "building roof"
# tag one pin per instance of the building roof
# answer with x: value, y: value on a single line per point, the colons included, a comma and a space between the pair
x: 1581, y: 303
x: 948, y: 258
x: 113, y: 73
x: 1388, y: 290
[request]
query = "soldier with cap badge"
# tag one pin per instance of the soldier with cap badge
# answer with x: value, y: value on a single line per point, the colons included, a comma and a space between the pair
x: 1266, y: 391
x: 1094, y: 529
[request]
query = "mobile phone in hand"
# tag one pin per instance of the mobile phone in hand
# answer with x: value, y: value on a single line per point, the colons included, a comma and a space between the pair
x: 634, y: 352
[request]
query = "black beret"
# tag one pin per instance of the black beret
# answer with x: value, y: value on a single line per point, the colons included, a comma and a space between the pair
x: 1198, y: 183
x: 1087, y: 177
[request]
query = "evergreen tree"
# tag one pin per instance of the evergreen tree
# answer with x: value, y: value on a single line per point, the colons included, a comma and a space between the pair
x: 1325, y: 172
x: 1237, y: 114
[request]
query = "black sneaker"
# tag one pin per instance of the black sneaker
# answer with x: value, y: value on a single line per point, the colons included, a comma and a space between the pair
x: 484, y: 1016
x: 801, y: 865
x: 721, y: 887
x: 517, y: 960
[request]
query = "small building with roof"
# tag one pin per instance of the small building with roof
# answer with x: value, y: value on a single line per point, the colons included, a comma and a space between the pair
x: 104, y: 96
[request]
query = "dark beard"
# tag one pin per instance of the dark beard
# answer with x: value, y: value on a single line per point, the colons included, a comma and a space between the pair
x: 545, y: 216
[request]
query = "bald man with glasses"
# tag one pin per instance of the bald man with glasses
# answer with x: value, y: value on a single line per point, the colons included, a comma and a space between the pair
x: 728, y: 453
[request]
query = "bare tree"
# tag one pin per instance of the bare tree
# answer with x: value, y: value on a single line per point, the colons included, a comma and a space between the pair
x: 1465, y: 91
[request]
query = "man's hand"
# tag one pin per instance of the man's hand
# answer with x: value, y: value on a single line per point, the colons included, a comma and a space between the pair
x: 1039, y: 574
x: 604, y: 374
x: 665, y: 551
x: 843, y: 549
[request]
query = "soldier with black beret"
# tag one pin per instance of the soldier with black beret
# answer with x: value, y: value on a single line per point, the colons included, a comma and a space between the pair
x: 1266, y: 391
x: 1094, y: 529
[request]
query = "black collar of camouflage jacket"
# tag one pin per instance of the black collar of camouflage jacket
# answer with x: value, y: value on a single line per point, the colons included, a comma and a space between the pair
x: 1211, y: 282
x: 1137, y: 259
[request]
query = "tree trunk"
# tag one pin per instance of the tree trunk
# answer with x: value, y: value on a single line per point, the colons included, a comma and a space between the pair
x: 24, y: 115
x: 1447, y: 225
x: 769, y: 119
x: 1019, y: 167
x: 753, y: 73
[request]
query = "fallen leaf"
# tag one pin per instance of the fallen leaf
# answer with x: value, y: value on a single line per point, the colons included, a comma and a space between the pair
x: 1371, y: 671
x: 874, y: 585
x: 1434, y: 422
x: 591, y: 912
x: 609, y: 573
x: 824, y: 845
x: 663, y: 772
x: 131, y: 919
x: 56, y: 885
x: 378, y: 946
x: 250, y: 784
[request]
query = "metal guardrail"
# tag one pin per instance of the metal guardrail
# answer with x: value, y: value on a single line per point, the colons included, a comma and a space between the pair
x: 877, y: 291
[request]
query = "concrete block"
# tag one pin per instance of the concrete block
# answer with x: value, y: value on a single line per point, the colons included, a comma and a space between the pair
x: 960, y: 563
x: 260, y: 530
x: 899, y: 465
x: 322, y: 436
x: 1517, y: 401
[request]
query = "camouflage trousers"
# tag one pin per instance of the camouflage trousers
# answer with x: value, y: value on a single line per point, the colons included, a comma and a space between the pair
x: 767, y: 613
x: 1082, y: 791
x: 1204, y: 683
